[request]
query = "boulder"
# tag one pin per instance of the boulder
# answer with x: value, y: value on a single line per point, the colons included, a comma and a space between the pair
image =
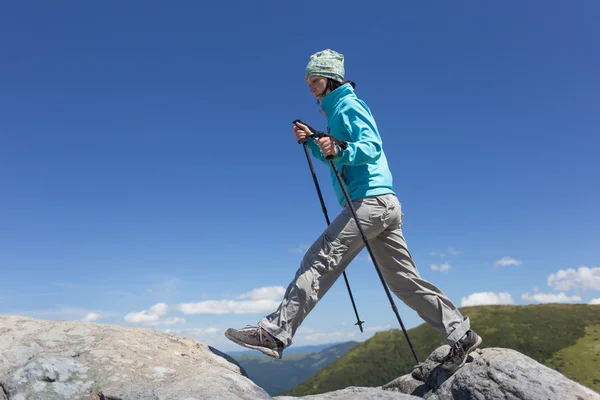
x: 354, y: 393
x: 490, y: 374
x: 80, y: 360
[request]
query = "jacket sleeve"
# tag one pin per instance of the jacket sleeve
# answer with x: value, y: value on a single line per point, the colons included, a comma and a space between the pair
x: 365, y: 143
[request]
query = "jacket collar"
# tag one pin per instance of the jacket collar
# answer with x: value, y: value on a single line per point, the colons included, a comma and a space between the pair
x: 330, y: 102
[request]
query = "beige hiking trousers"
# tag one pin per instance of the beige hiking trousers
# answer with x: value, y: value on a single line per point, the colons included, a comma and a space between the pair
x: 330, y: 254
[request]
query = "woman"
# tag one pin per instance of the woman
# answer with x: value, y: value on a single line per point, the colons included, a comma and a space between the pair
x: 364, y: 169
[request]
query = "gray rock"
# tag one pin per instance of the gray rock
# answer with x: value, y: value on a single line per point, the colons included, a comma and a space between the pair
x: 490, y: 374
x: 423, y: 370
x: 79, y: 360
x: 354, y: 393
x: 407, y: 384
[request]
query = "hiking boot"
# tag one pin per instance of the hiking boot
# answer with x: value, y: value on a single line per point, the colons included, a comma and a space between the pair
x: 457, y: 357
x: 255, y: 337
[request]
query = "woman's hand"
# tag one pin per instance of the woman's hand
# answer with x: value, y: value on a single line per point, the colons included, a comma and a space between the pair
x: 301, y: 131
x: 327, y: 145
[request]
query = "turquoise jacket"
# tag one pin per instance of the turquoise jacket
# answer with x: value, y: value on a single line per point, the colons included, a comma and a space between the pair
x: 362, y: 165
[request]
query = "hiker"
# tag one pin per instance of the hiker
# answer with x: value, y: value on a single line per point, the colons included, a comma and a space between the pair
x: 364, y: 168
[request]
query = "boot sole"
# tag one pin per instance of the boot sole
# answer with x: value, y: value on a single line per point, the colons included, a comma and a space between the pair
x: 270, y: 352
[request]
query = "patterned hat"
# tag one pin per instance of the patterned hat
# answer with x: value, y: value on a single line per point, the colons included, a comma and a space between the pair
x: 327, y: 63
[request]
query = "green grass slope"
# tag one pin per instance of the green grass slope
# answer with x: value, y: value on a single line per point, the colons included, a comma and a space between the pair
x: 276, y: 376
x: 561, y: 336
x: 582, y: 360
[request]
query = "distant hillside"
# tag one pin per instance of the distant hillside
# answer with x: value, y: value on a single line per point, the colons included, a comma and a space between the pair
x: 276, y: 376
x: 565, y: 337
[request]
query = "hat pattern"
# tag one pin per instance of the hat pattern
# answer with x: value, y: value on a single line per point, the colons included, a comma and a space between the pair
x: 326, y: 63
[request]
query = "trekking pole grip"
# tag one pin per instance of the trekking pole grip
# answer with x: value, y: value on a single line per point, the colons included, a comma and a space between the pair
x: 341, y: 144
x: 308, y: 126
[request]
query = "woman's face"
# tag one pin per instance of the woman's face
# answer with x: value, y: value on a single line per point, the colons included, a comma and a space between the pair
x: 317, y: 85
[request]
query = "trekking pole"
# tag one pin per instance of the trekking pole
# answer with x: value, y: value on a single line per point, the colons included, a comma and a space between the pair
x: 343, y: 145
x: 312, y: 170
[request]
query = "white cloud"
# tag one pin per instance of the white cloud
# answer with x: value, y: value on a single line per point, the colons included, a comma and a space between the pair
x: 378, y: 328
x: 219, y: 307
x: 167, y: 287
x: 202, y: 331
x: 91, y: 317
x: 453, y: 251
x: 325, y: 337
x: 300, y: 248
x: 442, y: 268
x: 167, y: 322
x: 595, y: 301
x: 486, y: 298
x: 260, y: 300
x: 582, y: 278
x: 65, y: 313
x: 449, y: 251
x: 507, y: 262
x: 307, y: 330
x: 152, y: 315
x: 264, y: 293
x: 550, y: 298
x: 119, y: 293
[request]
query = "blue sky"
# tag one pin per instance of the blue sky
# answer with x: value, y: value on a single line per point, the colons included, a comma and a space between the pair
x: 150, y: 177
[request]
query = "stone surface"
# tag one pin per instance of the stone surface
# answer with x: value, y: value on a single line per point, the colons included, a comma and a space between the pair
x: 407, y: 384
x: 354, y: 393
x: 490, y: 374
x: 79, y: 360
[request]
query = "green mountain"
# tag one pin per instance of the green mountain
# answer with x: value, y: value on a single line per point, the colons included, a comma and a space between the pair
x: 276, y: 376
x: 565, y: 337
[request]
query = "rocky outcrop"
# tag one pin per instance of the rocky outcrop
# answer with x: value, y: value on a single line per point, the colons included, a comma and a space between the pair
x: 354, y: 393
x: 77, y: 360
x: 490, y: 374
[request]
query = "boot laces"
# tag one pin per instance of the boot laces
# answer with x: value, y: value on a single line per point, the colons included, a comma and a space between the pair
x: 457, y: 351
x: 254, y: 331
